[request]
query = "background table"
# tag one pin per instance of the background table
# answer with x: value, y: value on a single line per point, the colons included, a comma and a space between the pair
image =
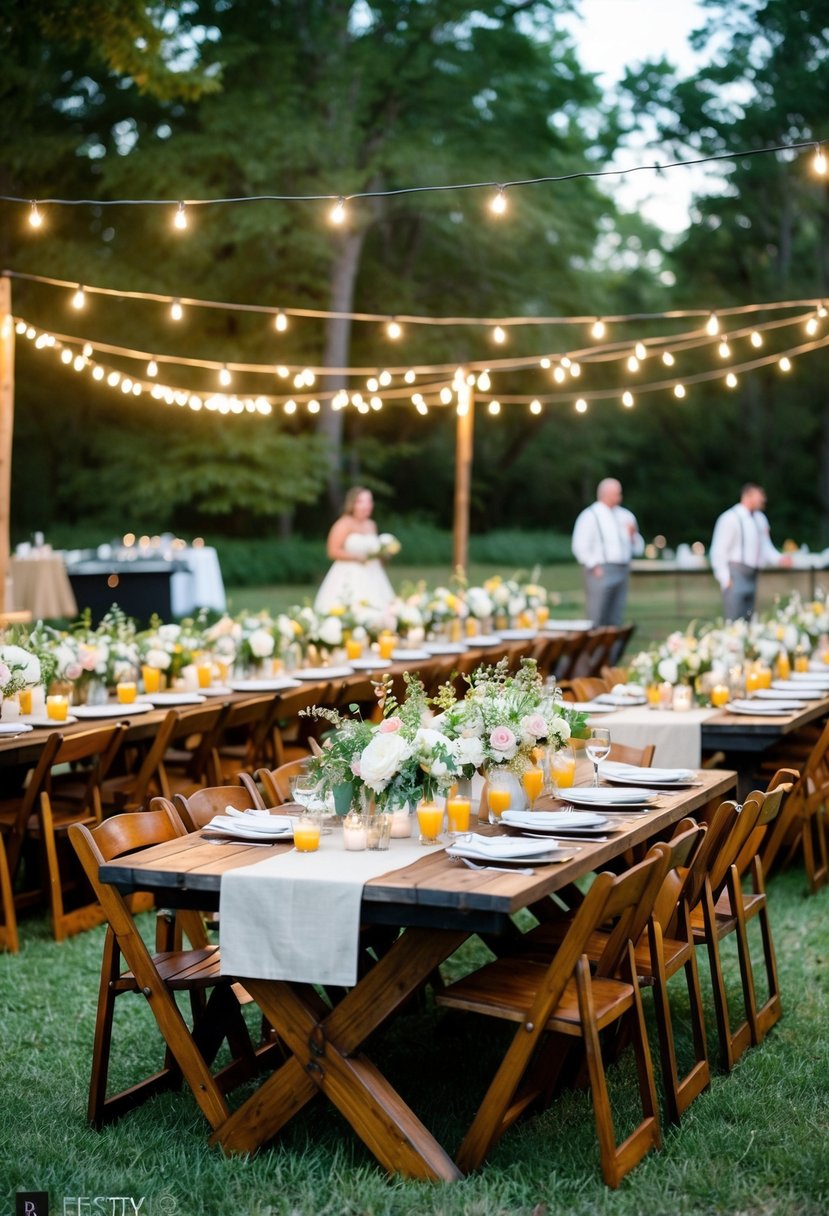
x: 41, y: 586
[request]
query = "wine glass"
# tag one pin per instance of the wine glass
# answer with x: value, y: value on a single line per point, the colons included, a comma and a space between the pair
x: 598, y: 748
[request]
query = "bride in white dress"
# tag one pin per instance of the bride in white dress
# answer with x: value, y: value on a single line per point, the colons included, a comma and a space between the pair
x: 355, y: 577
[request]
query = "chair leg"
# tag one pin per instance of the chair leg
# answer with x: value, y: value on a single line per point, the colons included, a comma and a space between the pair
x: 52, y: 868
x: 602, y: 1112
x: 8, y: 927
x: 679, y: 1092
x: 735, y: 893
x: 648, y: 1134
x: 731, y: 1045
x: 771, y: 1011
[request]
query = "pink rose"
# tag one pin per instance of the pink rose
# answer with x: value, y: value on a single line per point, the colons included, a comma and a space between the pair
x: 502, y: 739
x: 355, y: 766
x: 73, y: 670
x: 388, y: 725
x: 534, y: 724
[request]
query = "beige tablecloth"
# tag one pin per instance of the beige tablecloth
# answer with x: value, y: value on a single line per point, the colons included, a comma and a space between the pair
x: 677, y: 735
x: 41, y: 585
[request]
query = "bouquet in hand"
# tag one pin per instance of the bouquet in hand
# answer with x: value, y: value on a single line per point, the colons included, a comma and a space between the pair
x: 387, y: 546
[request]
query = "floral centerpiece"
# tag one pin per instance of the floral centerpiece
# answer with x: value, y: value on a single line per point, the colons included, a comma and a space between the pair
x: 19, y: 668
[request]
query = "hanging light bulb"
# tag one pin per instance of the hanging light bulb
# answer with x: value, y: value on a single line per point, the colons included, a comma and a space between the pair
x: 545, y: 363
x: 152, y: 368
x: 494, y: 407
x: 821, y: 311
x: 376, y: 403
x: 559, y: 375
x: 79, y: 363
x: 337, y: 212
x: 499, y: 335
x: 575, y: 370
x: 372, y: 384
x: 535, y: 407
x: 632, y: 363
x: 410, y: 376
x: 756, y: 338
x: 724, y: 350
x: 79, y: 298
x: 225, y: 377
x: 313, y: 406
x: 712, y: 325
x: 812, y: 326
x: 785, y: 364
x: 627, y: 398
x: 484, y: 382
x: 667, y: 358
x: 565, y: 360
x: 385, y: 379
x: 731, y: 380
x: 280, y: 322
x: 180, y: 218
x: 66, y: 355
x: 819, y: 162
x: 35, y: 218
x: 599, y: 329
x: 282, y: 372
x: 641, y: 351
x: 87, y: 350
x: 176, y: 311
x: 446, y: 395
x: 290, y: 407
x: 498, y: 203
x: 581, y: 406
x: 679, y: 391
x: 97, y: 372
x: 394, y: 330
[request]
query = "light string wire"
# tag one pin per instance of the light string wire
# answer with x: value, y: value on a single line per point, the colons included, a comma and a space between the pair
x: 343, y: 197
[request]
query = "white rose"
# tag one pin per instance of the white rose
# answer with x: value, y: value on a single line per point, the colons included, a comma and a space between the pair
x: 21, y: 662
x: 469, y: 750
x: 158, y: 658
x: 381, y: 759
x: 479, y: 602
x: 261, y: 643
x: 169, y: 633
x: 331, y: 631
x: 516, y: 605
x: 668, y: 670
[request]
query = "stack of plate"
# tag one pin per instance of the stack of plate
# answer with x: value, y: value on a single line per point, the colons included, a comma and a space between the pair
x: 558, y: 823
x: 497, y: 850
x: 633, y: 774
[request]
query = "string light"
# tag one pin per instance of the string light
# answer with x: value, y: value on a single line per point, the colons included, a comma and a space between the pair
x: 180, y: 218
x: 499, y: 335
x: 641, y: 351
x: 337, y: 212
x: 372, y: 384
x: 79, y: 363
x: 176, y: 311
x: 79, y: 298
x: 598, y: 329
x: 394, y: 330
x: 756, y: 338
x: 731, y: 380
x: 290, y: 407
x: 35, y: 218
x: 785, y: 364
x: 313, y: 406
x: 821, y: 311
x: 812, y: 326
x: 627, y: 398
x: 446, y: 395
x: 819, y: 162
x: 282, y: 372
x: 280, y: 322
x: 88, y: 350
x: 724, y: 350
x: 632, y: 363
x: 494, y: 407
x: 376, y: 403
x: 712, y: 325
x: 575, y: 370
x: 225, y: 377
x: 667, y: 358
x: 484, y: 383
x: 679, y: 391
x: 410, y: 376
x: 545, y: 363
x: 152, y: 368
x: 498, y: 203
x: 535, y: 406
x: 581, y: 406
x: 66, y: 356
x: 559, y: 375
x: 97, y: 373
x: 384, y: 379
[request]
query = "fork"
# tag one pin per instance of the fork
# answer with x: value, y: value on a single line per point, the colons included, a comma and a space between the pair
x: 473, y: 865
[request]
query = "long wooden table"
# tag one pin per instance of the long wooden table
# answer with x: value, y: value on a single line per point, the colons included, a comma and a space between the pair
x: 439, y: 904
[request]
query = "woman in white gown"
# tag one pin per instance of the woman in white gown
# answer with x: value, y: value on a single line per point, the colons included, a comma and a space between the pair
x: 355, y: 577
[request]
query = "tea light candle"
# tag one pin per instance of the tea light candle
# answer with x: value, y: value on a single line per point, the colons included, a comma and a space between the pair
x: 682, y: 698
x: 666, y: 695
x: 355, y: 837
x: 401, y: 823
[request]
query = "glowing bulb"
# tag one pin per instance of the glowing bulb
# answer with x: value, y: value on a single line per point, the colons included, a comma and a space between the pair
x: 446, y: 395
x: 152, y: 368
x: 812, y: 326
x: 299, y: 380
x: 87, y: 350
x: 641, y: 351
x: 712, y: 325
x: 394, y: 330
x: 337, y: 212
x: 484, y: 382
x: 494, y: 407
x: 384, y: 379
x: 225, y: 377
x: 535, y: 407
x: 180, y: 218
x: 176, y: 311
x: 756, y: 338
x: 724, y: 350
x: 313, y: 407
x: 410, y: 376
x: 20, y: 327
x: 66, y: 356
x: 599, y: 328
x: 282, y: 372
x: 565, y: 360
x: 575, y: 370
x: 79, y: 298
x: 463, y: 409
x: 679, y: 391
x: 498, y: 203
x: 290, y: 407
x: 499, y: 335
x: 422, y: 407
x: 137, y: 390
x: 785, y: 364
x: 372, y: 384
x: 819, y: 162
x: 376, y: 403
x: 194, y: 402
x: 821, y: 312
x: 545, y: 363
x: 35, y: 218
x: 280, y: 322
x: 113, y: 378
x: 667, y: 358
x: 126, y: 385
x: 731, y: 380
x: 627, y: 399
x: 79, y: 363
x: 97, y: 373
x: 559, y: 375
x: 308, y: 378
x: 581, y: 406
x: 632, y: 363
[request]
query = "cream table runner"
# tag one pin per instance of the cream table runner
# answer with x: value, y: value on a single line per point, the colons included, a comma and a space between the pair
x: 297, y: 916
x: 677, y: 735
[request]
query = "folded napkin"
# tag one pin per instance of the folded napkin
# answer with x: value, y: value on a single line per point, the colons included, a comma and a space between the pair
x: 604, y: 796
x: 798, y: 692
x: 257, y: 811
x: 500, y: 848
x: 621, y: 698
x: 544, y: 820
x: 258, y: 821
x: 614, y: 768
x: 628, y: 690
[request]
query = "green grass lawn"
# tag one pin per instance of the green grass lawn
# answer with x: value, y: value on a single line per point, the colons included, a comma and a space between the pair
x: 757, y: 1143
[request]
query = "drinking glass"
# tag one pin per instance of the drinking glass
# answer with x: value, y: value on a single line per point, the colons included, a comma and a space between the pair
x: 151, y: 677
x: 307, y: 832
x: 598, y: 748
x: 430, y: 822
x: 126, y: 691
x: 57, y: 707
x: 459, y: 806
x: 532, y: 780
x: 386, y: 644
x: 562, y: 768
x: 498, y: 794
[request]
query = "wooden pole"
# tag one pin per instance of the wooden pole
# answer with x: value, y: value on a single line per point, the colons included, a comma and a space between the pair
x: 463, y: 470
x: 6, y: 428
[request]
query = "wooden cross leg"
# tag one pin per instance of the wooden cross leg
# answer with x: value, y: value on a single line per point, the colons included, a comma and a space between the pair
x: 325, y: 1045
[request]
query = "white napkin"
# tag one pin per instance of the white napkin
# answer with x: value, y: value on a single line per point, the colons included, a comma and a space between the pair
x: 271, y: 825
x: 254, y: 810
x: 604, y: 796
x: 500, y: 848
x: 614, y: 768
x: 542, y: 820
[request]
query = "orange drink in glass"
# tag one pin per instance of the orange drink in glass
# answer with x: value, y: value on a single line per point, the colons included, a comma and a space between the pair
x: 151, y: 677
x: 542, y: 615
x: 533, y: 782
x: 126, y: 691
x: 353, y: 648
x: 720, y: 695
x: 57, y: 707
x: 801, y: 662
x: 430, y: 821
x: 204, y: 673
x: 307, y: 831
x: 498, y: 794
x: 459, y: 807
x: 386, y: 643
x: 563, y: 768
x: 24, y: 698
x: 753, y: 678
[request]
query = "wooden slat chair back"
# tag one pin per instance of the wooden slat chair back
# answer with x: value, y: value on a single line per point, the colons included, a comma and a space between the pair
x: 574, y: 645
x: 197, y: 809
x: 245, y: 739
x: 179, y: 759
x: 586, y: 688
x: 291, y: 735
x: 803, y: 824
x: 547, y: 652
x: 598, y: 650
x: 556, y: 1002
x: 275, y: 782
x: 779, y: 788
x: 624, y: 753
x: 614, y: 675
x: 158, y: 976
x: 53, y: 800
x: 623, y: 635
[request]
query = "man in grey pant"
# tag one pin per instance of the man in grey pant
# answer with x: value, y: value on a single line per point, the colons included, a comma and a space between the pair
x: 741, y: 545
x: 605, y: 538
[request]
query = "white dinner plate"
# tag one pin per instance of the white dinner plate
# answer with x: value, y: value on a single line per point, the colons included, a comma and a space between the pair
x: 162, y: 700
x: 518, y: 635
x: 248, y: 834
x: 483, y: 639
x: 592, y: 707
x: 610, y: 799
x: 216, y: 690
x: 576, y: 626
x: 369, y: 664
x: 631, y: 774
x: 410, y: 656
x: 20, y: 728
x: 549, y: 821
x: 496, y: 850
x: 112, y: 710
x: 796, y: 692
x: 620, y: 700
x: 764, y: 709
x: 277, y: 684
x: 45, y: 720
x: 445, y: 647
x: 324, y: 673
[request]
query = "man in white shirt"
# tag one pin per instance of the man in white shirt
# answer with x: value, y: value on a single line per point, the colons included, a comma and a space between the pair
x: 605, y: 538
x: 741, y: 545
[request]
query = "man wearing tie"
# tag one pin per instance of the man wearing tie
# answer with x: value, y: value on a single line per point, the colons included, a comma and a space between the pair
x: 605, y: 538
x: 741, y: 545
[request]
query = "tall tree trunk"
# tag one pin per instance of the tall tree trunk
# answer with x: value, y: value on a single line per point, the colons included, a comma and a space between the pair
x: 337, y: 348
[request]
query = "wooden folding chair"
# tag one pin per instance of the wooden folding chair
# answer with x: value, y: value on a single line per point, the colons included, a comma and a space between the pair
x: 53, y: 800
x: 158, y: 977
x: 275, y: 782
x: 9, y: 939
x: 245, y: 738
x: 197, y: 809
x: 624, y: 753
x: 803, y: 823
x: 547, y: 652
x: 290, y: 734
x: 586, y: 688
x: 596, y: 652
x: 574, y: 644
x: 560, y: 1000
